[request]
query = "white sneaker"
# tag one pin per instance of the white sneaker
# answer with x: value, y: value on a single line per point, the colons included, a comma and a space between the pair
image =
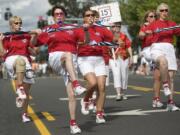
x: 157, y: 103
x: 124, y: 97
x: 25, y: 118
x: 84, y: 107
x: 21, y: 93
x: 100, y: 118
x: 19, y: 102
x: 74, y: 129
x: 79, y: 90
x: 118, y: 97
x: 167, y: 91
x: 172, y: 107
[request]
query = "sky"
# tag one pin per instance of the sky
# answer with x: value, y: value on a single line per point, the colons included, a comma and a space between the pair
x: 29, y: 10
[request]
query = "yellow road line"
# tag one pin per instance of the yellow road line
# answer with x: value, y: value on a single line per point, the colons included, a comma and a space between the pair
x: 38, y: 123
x: 145, y: 89
x: 140, y: 88
x: 48, y: 116
x: 176, y: 92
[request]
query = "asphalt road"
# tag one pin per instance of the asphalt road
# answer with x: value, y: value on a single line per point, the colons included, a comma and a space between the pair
x: 49, y: 111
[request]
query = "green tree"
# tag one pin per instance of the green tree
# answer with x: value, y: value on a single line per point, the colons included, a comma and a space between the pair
x: 133, y: 11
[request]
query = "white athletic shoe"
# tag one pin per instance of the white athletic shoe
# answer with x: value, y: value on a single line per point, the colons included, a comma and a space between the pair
x: 25, y: 118
x: 79, y: 90
x: 84, y: 107
x: 21, y: 93
x: 19, y: 102
x: 124, y: 97
x: 167, y: 91
x: 157, y: 103
x: 119, y: 97
x: 74, y: 129
x: 172, y: 107
x: 100, y: 118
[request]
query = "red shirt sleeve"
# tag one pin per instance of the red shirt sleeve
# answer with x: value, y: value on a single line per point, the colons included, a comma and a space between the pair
x: 108, y: 35
x: 126, y: 40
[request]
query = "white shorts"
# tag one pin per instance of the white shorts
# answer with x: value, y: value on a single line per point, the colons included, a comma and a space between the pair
x: 146, y: 53
x: 9, y: 63
x: 144, y: 61
x: 93, y: 64
x: 167, y: 50
x: 56, y: 65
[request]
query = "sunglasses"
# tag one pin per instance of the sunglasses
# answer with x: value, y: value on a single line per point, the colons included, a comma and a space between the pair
x: 59, y: 14
x: 116, y: 26
x: 16, y: 23
x: 163, y: 10
x: 88, y: 15
x: 152, y: 16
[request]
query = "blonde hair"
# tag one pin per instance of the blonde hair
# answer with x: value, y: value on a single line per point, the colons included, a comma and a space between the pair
x: 160, y: 7
x: 14, y: 19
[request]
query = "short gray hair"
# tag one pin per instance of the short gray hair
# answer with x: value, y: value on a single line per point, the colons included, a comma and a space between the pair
x: 160, y: 6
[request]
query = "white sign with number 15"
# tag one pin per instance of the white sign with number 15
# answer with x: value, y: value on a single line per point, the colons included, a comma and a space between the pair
x: 109, y: 13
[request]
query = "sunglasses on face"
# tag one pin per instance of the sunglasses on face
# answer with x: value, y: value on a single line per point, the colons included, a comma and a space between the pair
x: 152, y: 16
x: 88, y: 15
x: 16, y: 23
x: 118, y: 26
x: 163, y: 10
x: 59, y: 14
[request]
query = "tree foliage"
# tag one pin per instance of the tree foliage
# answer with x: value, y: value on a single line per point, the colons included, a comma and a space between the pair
x: 133, y: 11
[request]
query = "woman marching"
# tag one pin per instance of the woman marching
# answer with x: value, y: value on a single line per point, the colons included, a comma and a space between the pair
x: 91, y: 62
x: 62, y: 50
x: 150, y: 16
x: 16, y: 50
x: 162, y: 51
x: 121, y: 60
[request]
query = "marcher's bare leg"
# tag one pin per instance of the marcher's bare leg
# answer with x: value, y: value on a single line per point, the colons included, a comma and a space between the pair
x: 101, y: 88
x: 156, y: 87
x: 26, y: 101
x: 157, y: 83
x: 72, y: 101
x: 68, y: 58
x: 163, y: 68
x: 91, y: 85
